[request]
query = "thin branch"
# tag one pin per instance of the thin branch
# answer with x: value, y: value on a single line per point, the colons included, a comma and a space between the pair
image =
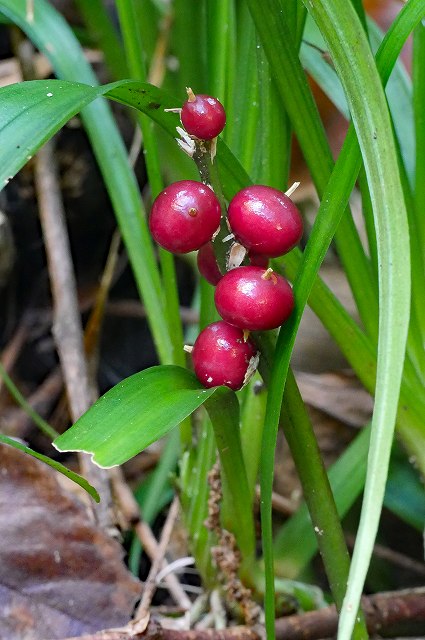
x: 389, y: 614
x: 150, y: 585
x: 67, y: 329
x: 131, y: 514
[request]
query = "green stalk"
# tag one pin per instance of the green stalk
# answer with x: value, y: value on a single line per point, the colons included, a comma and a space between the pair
x: 253, y: 412
x: 418, y: 71
x: 303, y: 445
x: 318, y: 496
x: 195, y: 466
x: 104, y: 34
x: 237, y: 513
x: 136, y: 64
x: 346, y: 478
x: 340, y: 26
x: 297, y: 99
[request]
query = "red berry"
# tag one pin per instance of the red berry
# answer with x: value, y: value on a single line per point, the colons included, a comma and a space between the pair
x: 222, y: 357
x: 258, y: 260
x: 207, y: 264
x: 265, y: 220
x: 184, y: 216
x: 254, y: 298
x: 203, y: 116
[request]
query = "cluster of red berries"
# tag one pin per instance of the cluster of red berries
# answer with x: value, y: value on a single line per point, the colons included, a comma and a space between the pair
x: 264, y: 221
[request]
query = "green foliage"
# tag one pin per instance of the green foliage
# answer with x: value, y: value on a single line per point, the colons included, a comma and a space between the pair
x: 136, y: 412
x: 54, y: 465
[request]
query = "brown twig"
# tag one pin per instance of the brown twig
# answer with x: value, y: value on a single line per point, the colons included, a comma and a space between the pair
x: 389, y: 614
x: 67, y: 329
x: 19, y: 422
x: 12, y: 350
x: 150, y: 545
x: 131, y: 514
x: 150, y: 584
x: 395, y: 557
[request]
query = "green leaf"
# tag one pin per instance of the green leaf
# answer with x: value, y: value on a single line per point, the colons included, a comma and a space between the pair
x: 340, y: 27
x: 31, y: 113
x: 133, y: 414
x: 404, y: 493
x: 55, y: 465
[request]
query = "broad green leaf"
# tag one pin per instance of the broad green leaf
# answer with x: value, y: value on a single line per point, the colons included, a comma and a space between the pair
x: 55, y: 465
x: 133, y: 414
x: 31, y: 113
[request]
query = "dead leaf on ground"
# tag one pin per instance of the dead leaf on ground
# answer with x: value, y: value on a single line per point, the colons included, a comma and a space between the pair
x: 60, y: 575
x: 339, y: 394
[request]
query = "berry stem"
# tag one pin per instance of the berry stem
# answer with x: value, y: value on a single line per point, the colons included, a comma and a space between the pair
x: 209, y: 175
x: 190, y: 95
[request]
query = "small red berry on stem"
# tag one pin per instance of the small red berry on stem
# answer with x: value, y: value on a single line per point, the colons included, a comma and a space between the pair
x: 203, y: 116
x: 221, y: 356
x: 254, y: 298
x: 184, y: 216
x: 265, y: 220
x: 207, y: 264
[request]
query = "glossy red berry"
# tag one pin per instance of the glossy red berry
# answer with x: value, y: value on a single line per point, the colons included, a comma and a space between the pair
x: 258, y: 260
x: 222, y: 357
x: 265, y: 220
x: 254, y: 298
x: 207, y: 264
x: 203, y: 116
x: 184, y: 216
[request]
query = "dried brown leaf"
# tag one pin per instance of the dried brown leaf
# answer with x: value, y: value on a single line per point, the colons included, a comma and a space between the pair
x: 60, y: 575
x: 338, y: 394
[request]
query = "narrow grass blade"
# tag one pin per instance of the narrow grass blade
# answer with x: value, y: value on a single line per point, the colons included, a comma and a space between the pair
x: 51, y: 34
x: 358, y: 74
x: 55, y: 465
x: 19, y: 398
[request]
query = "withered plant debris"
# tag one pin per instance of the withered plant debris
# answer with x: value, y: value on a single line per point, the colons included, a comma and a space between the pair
x: 60, y: 575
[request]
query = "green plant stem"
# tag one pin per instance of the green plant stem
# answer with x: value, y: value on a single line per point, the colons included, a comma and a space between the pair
x: 195, y: 466
x: 135, y: 58
x: 318, y: 495
x: 418, y: 70
x: 346, y: 478
x: 104, y: 34
x: 237, y: 513
x: 338, y: 24
x: 20, y: 400
x: 253, y: 413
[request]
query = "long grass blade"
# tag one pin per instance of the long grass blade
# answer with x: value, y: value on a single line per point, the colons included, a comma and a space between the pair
x: 53, y: 36
x: 358, y: 74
